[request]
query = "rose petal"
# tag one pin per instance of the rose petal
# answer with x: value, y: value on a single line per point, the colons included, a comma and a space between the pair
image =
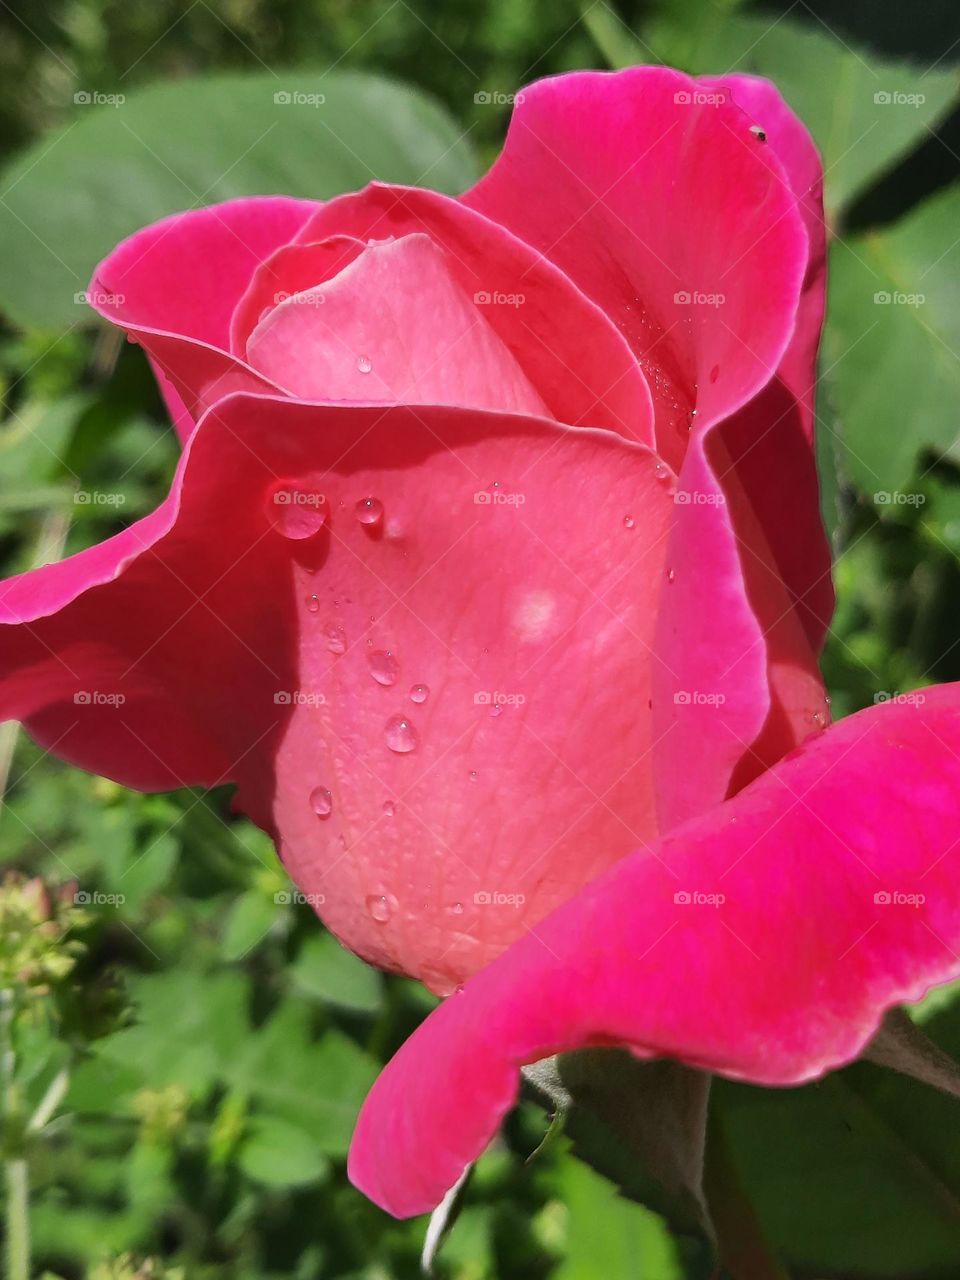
x: 840, y: 900
x: 667, y: 211
x: 500, y: 575
x: 180, y: 279
x: 291, y: 269
x: 392, y: 326
x: 575, y: 357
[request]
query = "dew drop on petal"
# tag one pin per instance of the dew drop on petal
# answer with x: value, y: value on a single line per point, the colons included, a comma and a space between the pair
x: 389, y: 808
x: 496, y: 711
x: 384, y: 667
x: 419, y: 693
x: 715, y: 373
x: 364, y: 364
x: 661, y: 471
x: 369, y: 510
x: 473, y: 775
x: 671, y: 575
x: 456, y: 909
x: 629, y: 522
x: 381, y: 906
x: 313, y: 603
x: 320, y: 802
x: 296, y: 511
x: 336, y: 638
x: 401, y: 735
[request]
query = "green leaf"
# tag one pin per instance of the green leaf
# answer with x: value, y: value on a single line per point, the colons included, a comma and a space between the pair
x: 326, y: 969
x: 249, y: 922
x: 70, y: 198
x: 858, y: 1175
x: 315, y: 1084
x: 190, y: 1028
x: 280, y: 1155
x: 893, y: 342
x: 608, y: 1236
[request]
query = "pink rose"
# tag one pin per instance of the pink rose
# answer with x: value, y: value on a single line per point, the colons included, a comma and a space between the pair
x: 493, y: 568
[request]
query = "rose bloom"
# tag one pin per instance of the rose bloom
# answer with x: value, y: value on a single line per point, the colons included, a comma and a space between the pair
x: 493, y: 577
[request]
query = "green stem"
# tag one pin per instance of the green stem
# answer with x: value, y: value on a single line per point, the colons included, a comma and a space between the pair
x: 17, y: 1212
x: 18, y: 1220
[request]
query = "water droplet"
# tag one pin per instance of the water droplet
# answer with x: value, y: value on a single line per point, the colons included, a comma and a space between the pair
x: 389, y: 808
x: 715, y: 373
x: 671, y: 575
x: 496, y: 710
x: 313, y: 604
x: 401, y: 735
x: 456, y: 909
x: 384, y: 667
x: 364, y: 364
x: 661, y: 471
x: 629, y: 522
x: 295, y: 511
x: 320, y: 802
x: 419, y: 693
x: 473, y: 775
x: 369, y: 510
x: 381, y: 906
x: 336, y: 638
x: 818, y: 719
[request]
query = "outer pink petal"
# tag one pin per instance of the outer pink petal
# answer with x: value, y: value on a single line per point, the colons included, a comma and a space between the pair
x: 183, y: 276
x: 650, y: 190
x: 125, y: 658
x: 795, y: 151
x: 249, y: 656
x: 392, y: 326
x: 771, y: 439
x: 763, y: 941
x: 575, y: 357
x: 502, y: 578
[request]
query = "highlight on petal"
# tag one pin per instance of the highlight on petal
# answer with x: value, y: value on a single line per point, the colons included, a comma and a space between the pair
x: 764, y: 941
x: 572, y: 352
x: 392, y: 326
x: 174, y: 286
x: 671, y: 214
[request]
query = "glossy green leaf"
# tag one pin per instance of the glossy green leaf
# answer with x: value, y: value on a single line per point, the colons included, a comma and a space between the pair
x: 892, y: 352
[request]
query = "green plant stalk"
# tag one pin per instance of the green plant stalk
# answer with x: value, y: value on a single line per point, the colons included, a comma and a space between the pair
x: 16, y: 1175
x: 18, y: 1219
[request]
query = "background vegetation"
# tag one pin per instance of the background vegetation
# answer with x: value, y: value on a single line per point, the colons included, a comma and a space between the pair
x: 199, y: 1050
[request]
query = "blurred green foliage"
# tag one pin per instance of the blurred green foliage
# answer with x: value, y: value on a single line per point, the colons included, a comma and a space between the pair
x: 212, y: 1041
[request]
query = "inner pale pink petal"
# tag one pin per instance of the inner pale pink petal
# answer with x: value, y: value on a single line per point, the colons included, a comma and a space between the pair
x: 392, y: 326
